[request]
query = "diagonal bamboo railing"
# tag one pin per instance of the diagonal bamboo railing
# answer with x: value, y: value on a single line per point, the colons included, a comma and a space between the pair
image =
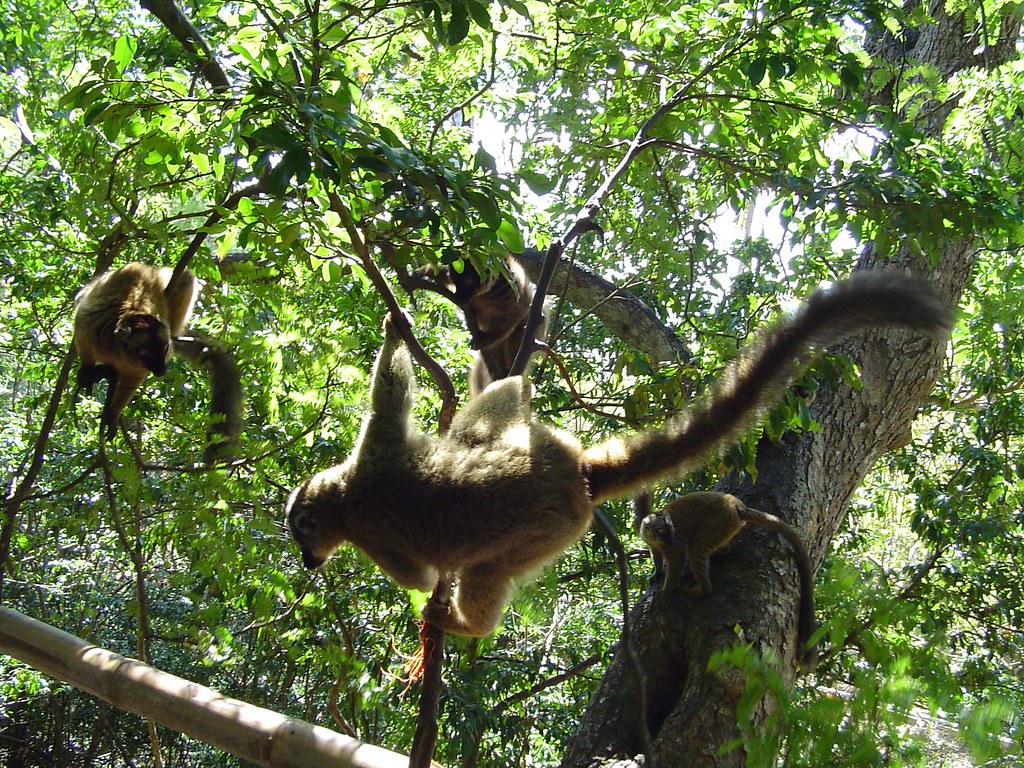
x: 244, y: 730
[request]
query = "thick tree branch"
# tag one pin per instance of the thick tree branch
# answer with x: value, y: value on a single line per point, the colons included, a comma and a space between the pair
x: 179, y: 25
x: 252, y: 733
x: 624, y: 314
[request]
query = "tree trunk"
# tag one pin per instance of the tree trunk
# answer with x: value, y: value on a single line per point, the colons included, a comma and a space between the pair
x: 806, y: 479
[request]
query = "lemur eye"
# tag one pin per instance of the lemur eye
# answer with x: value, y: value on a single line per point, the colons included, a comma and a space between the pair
x: 303, y: 522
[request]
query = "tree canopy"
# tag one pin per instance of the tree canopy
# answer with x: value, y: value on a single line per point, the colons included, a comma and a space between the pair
x: 303, y: 157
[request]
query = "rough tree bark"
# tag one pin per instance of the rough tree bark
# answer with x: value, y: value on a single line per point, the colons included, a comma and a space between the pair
x: 807, y: 479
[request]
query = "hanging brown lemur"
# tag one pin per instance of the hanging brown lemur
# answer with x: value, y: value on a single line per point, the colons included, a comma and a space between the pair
x: 502, y: 494
x: 495, y: 311
x: 128, y: 322
x: 691, y: 528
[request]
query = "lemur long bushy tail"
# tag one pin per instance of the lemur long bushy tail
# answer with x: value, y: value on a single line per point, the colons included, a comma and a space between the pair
x: 619, y: 466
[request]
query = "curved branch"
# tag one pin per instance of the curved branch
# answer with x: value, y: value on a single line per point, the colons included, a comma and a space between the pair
x: 184, y: 31
x: 623, y: 313
x: 229, y: 204
x: 470, y: 99
x: 441, y: 379
x: 554, y: 358
x: 585, y: 221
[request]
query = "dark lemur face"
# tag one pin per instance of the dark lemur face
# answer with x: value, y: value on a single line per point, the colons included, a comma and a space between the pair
x: 147, y: 340
x: 304, y: 523
x: 657, y: 530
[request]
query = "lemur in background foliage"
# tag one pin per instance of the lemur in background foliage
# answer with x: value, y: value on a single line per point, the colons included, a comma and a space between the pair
x: 495, y: 311
x: 128, y: 322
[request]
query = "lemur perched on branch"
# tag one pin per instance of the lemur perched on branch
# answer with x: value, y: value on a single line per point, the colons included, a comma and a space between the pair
x: 495, y: 310
x: 128, y: 322
x: 694, y: 526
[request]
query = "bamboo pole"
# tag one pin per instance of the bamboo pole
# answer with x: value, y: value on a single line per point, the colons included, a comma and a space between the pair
x: 250, y: 732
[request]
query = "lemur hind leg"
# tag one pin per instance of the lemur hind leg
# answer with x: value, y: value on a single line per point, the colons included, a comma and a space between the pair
x: 480, y: 596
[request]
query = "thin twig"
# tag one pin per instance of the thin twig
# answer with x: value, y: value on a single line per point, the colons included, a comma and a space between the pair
x: 627, y: 636
x: 470, y: 99
x: 424, y: 740
x: 332, y: 707
x: 920, y: 574
x: 470, y: 759
x: 585, y: 221
x: 12, y: 504
x: 273, y: 619
x: 134, y: 553
x: 108, y: 248
x: 441, y: 379
x: 548, y: 682
x: 576, y: 396
x: 230, y: 203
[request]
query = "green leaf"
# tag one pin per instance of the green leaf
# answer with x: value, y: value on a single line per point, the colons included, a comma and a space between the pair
x: 538, y: 183
x: 511, y: 236
x: 295, y: 163
x: 851, y: 78
x: 486, y: 206
x: 399, y: 157
x: 272, y: 136
x: 756, y: 70
x: 372, y: 162
x: 289, y: 234
x: 478, y: 11
x: 484, y: 160
x: 519, y: 7
x: 81, y: 95
x: 93, y: 113
x: 124, y: 52
x: 458, y: 26
x: 781, y: 66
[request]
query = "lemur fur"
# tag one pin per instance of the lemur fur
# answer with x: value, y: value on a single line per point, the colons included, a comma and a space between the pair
x: 502, y: 494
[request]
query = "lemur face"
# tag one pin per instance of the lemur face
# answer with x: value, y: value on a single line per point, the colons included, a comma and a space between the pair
x: 304, y: 523
x: 657, y: 529
x: 147, y: 341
